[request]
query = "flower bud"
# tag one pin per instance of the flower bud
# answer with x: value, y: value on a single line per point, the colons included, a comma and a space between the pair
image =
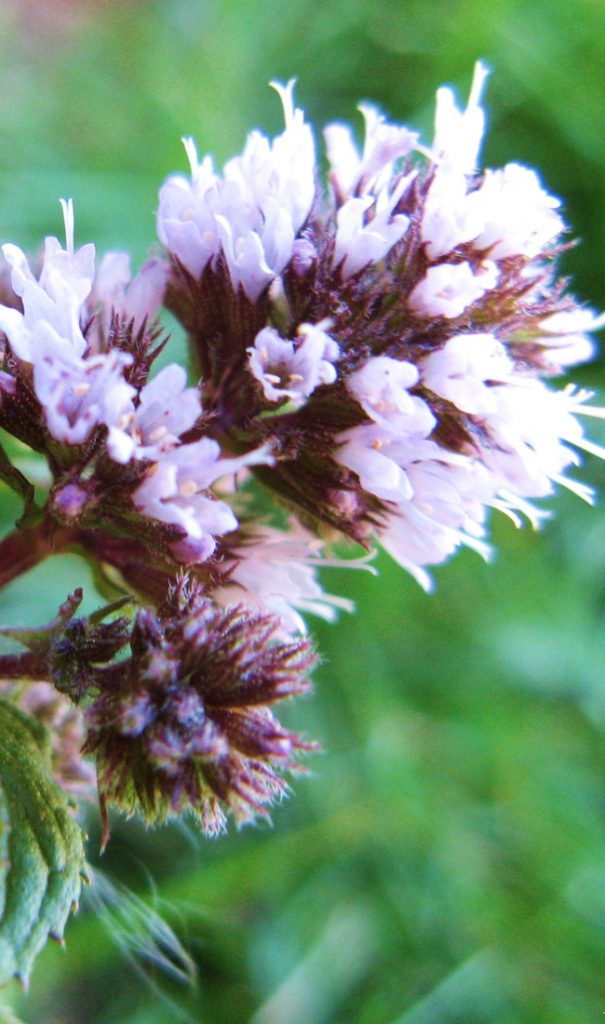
x: 304, y: 256
x: 70, y: 503
x: 185, y: 723
x: 68, y: 651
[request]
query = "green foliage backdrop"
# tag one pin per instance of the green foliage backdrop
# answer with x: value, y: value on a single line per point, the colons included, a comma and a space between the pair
x: 445, y: 864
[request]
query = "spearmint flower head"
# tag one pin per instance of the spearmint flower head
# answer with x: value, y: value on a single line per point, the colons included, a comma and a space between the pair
x: 186, y: 723
x: 79, y: 391
x: 79, y: 384
x: 377, y: 355
x: 438, y: 283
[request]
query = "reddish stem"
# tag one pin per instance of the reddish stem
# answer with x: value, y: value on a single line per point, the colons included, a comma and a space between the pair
x: 21, y: 666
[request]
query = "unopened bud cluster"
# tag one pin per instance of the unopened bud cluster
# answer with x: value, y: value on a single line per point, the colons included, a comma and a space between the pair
x: 185, y: 722
x: 375, y: 355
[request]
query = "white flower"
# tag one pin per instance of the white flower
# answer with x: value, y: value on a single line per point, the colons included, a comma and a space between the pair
x: 186, y: 216
x: 380, y: 452
x: 245, y: 252
x: 458, y: 133
x: 448, y: 288
x: 367, y: 229
x: 451, y: 215
x: 276, y: 571
x: 367, y: 451
x: 381, y: 457
x: 381, y: 388
x: 529, y: 438
x: 564, y: 334
x: 372, y: 170
x: 446, y: 509
x: 253, y: 213
x: 78, y: 394
x: 283, y: 170
x: 510, y: 214
x: 304, y: 255
x: 137, y: 299
x: 437, y: 498
x: 368, y: 190
x: 57, y: 298
x: 519, y: 216
x: 460, y: 369
x: 176, y: 490
x: 167, y: 409
x: 293, y: 370
x: 573, y: 321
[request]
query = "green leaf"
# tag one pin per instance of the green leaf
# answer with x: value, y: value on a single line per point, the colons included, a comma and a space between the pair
x: 41, y: 852
x: 21, y: 486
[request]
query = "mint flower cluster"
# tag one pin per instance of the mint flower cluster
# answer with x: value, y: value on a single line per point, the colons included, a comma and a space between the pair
x: 371, y: 362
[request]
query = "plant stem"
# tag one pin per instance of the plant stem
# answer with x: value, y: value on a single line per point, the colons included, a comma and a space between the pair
x: 21, y: 666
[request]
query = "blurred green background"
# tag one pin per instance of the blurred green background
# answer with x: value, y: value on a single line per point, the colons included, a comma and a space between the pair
x: 445, y: 864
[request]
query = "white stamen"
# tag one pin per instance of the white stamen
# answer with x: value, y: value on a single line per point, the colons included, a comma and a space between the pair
x: 480, y: 76
x: 582, y: 490
x: 286, y: 95
x: 67, y: 206
x: 191, y: 151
